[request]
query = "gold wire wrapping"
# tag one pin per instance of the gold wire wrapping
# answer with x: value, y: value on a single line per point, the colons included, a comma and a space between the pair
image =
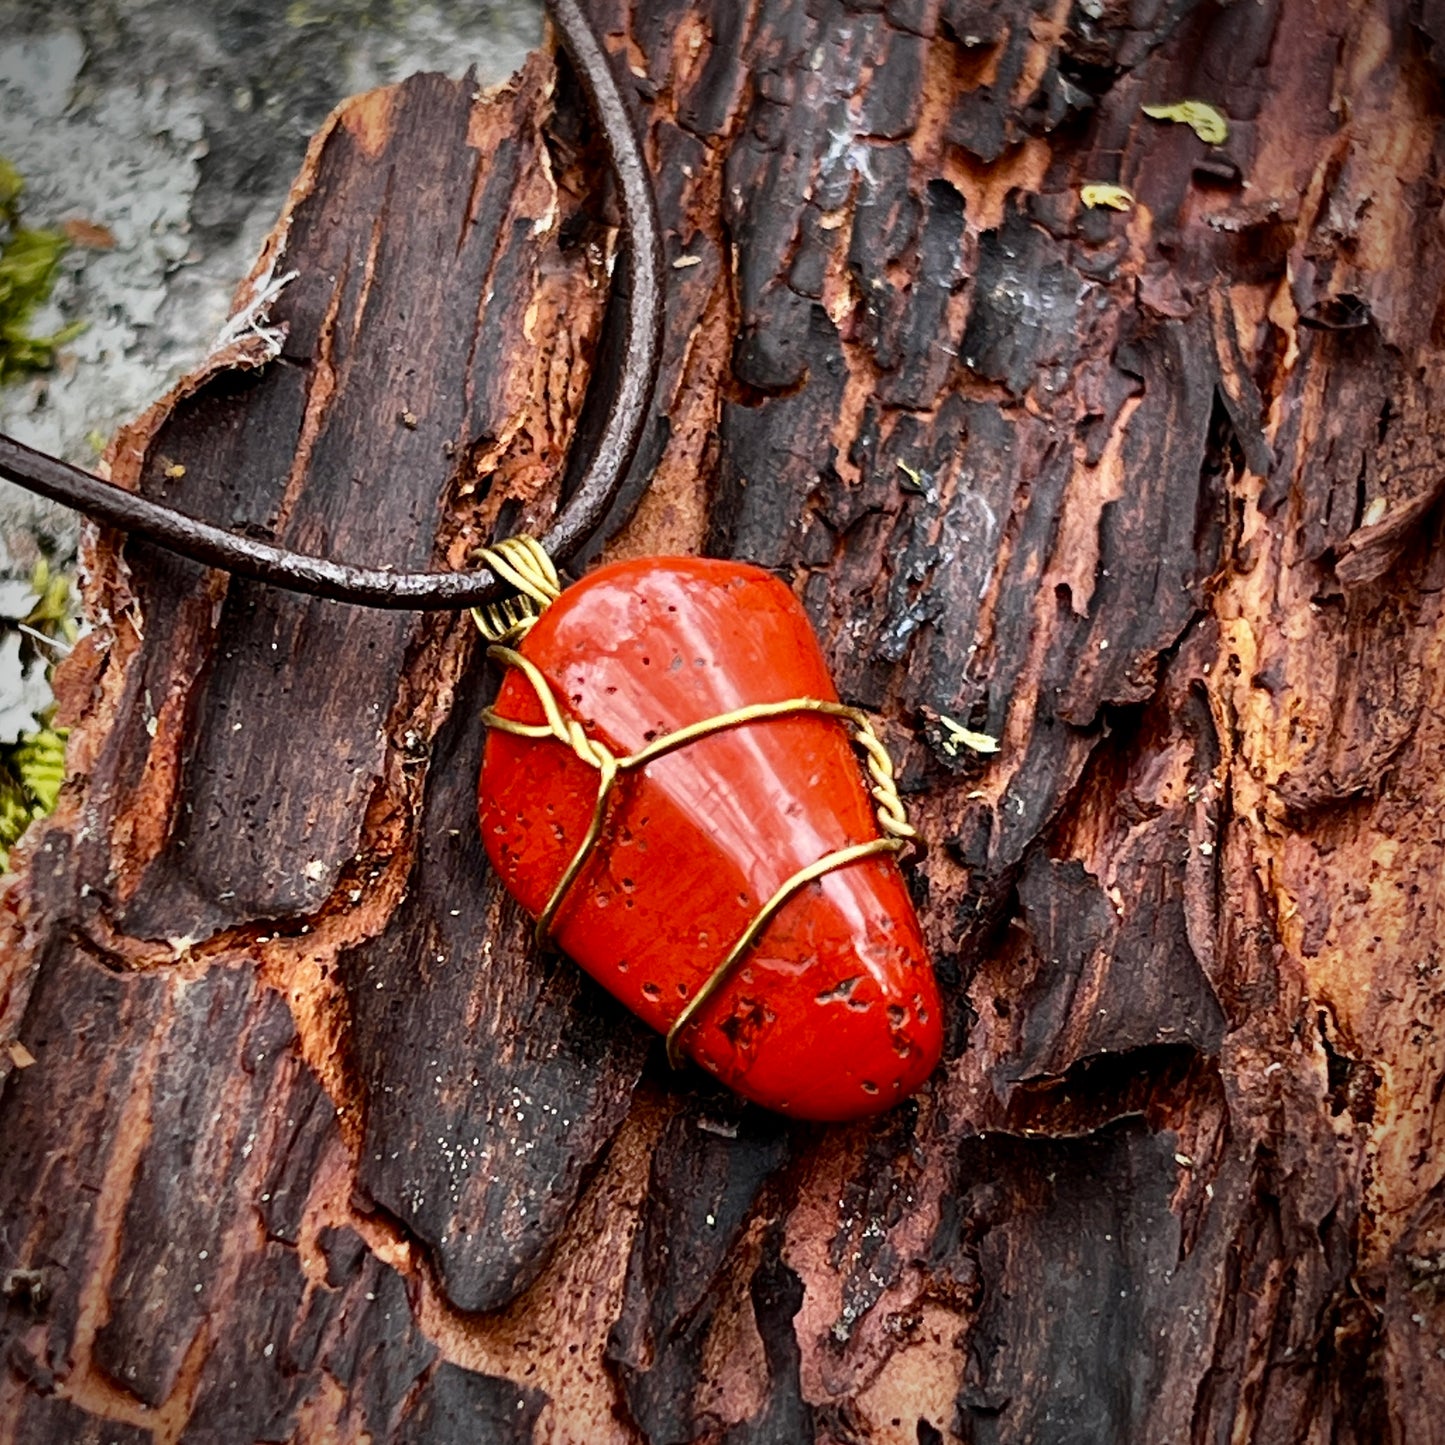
x: 892, y: 820
x: 524, y: 563
x: 753, y: 932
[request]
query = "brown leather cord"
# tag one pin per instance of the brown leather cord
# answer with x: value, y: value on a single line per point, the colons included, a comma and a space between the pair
x: 584, y: 511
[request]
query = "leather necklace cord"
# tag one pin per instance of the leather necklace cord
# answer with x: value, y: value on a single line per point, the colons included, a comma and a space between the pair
x: 579, y: 517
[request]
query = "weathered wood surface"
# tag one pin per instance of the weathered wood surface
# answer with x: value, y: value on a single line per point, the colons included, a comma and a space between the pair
x: 315, y: 1148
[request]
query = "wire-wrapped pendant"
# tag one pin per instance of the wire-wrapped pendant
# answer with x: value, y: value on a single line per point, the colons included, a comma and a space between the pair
x: 669, y: 786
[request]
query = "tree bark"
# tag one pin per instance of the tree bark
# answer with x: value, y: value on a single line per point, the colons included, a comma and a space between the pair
x: 314, y: 1146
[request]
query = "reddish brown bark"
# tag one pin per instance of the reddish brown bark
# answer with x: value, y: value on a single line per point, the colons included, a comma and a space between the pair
x: 315, y: 1147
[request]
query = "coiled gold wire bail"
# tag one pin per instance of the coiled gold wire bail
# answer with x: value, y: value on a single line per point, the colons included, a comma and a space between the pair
x: 523, y: 562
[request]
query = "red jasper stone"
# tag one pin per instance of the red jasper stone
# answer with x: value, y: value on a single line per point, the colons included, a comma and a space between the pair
x: 834, y: 1013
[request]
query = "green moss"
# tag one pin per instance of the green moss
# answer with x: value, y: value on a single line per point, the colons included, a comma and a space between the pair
x: 33, y: 767
x: 31, y: 772
x: 29, y: 259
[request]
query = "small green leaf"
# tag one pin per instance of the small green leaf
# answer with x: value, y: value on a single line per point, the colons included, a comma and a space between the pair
x: 1209, y: 124
x: 1117, y: 198
x: 54, y: 605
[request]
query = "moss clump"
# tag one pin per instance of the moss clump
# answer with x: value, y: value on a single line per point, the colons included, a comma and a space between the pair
x: 32, y: 768
x: 31, y: 772
x: 28, y: 262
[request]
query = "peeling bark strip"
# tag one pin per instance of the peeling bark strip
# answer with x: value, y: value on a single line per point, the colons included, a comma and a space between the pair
x: 314, y: 1148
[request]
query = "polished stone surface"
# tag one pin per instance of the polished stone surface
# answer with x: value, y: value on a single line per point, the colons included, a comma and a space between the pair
x: 835, y: 1013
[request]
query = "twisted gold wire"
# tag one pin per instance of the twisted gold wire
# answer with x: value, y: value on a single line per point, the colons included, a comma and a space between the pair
x: 892, y: 819
x: 891, y: 816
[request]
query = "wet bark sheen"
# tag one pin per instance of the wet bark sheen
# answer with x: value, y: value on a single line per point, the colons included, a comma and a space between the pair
x: 314, y: 1146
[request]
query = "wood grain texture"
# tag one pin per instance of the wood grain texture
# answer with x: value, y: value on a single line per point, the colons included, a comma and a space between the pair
x: 315, y: 1147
